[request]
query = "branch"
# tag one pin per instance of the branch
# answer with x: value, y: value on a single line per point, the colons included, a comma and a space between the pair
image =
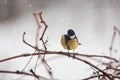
x: 62, y: 53
x: 113, y: 38
x: 104, y: 73
x: 38, y: 27
x: 42, y: 21
x: 100, y: 56
x: 38, y: 16
x: 51, y: 52
x: 101, y: 75
x: 91, y: 77
x: 36, y: 48
x: 18, y: 72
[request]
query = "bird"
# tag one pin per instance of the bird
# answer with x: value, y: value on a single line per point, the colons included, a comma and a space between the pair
x: 69, y: 41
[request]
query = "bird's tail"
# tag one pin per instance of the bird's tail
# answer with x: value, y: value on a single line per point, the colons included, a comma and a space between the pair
x: 79, y: 44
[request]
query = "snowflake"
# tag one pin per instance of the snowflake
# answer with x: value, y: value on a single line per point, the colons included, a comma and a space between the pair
x: 5, y: 2
x: 62, y: 19
x: 114, y: 0
x: 30, y: 5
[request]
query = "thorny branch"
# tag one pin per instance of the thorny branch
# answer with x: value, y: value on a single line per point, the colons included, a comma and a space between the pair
x: 102, y: 74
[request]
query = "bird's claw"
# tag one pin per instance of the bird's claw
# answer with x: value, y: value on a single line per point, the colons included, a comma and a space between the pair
x: 74, y: 56
x: 68, y: 54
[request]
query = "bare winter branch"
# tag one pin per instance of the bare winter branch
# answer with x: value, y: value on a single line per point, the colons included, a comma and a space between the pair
x: 102, y: 74
x: 19, y: 72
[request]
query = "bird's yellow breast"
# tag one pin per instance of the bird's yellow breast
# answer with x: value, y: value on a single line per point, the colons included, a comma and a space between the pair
x: 72, y: 43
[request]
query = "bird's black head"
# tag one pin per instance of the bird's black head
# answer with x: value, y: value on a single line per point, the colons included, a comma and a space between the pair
x: 71, y: 33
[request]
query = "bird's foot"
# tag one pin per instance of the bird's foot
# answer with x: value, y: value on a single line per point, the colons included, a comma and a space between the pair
x: 69, y: 55
x: 74, y: 56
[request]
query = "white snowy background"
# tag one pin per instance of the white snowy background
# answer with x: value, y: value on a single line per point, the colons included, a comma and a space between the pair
x: 92, y: 20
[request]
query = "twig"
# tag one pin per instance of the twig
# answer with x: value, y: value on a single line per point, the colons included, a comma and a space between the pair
x: 113, y: 38
x: 104, y: 73
x: 34, y: 74
x: 22, y: 73
x: 48, y: 68
x: 91, y: 77
x: 42, y: 21
x: 39, y: 14
x: 36, y: 48
x: 99, y: 56
x: 19, y: 72
x: 28, y: 62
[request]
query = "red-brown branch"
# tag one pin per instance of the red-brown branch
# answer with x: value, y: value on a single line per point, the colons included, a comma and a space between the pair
x: 63, y: 53
x: 21, y: 73
x: 38, y: 16
x: 52, y: 52
x: 98, y: 56
x: 113, y: 38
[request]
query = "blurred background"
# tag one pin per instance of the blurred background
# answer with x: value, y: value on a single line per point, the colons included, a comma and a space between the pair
x: 92, y: 20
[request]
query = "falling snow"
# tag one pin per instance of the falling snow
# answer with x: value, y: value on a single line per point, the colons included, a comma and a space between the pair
x: 62, y: 19
x: 30, y: 5
x: 6, y: 22
x: 5, y: 2
x: 114, y: 0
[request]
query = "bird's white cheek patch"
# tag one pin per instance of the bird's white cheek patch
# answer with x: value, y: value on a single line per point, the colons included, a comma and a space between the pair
x: 72, y: 36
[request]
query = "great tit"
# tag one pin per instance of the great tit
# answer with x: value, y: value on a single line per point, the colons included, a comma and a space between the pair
x: 69, y: 41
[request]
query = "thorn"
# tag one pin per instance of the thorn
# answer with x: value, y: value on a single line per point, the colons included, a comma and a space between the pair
x: 110, y: 48
x: 33, y: 13
x: 24, y: 33
x: 34, y: 73
x: 40, y: 38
